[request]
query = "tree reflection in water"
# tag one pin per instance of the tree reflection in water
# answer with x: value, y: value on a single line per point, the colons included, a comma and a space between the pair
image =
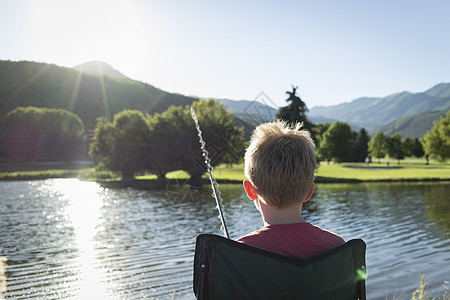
x: 438, y: 205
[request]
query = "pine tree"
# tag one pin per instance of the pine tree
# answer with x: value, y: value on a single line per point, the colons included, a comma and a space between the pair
x: 295, y: 111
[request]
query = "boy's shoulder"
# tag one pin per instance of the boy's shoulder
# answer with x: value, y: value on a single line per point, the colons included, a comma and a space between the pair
x: 295, y: 229
x: 298, y: 239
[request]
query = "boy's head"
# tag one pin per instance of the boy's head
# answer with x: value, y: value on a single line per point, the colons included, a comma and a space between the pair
x: 280, y: 163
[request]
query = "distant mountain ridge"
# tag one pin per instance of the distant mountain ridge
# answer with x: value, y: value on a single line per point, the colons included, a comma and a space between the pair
x: 373, y: 113
x: 249, y: 110
x: 249, y: 114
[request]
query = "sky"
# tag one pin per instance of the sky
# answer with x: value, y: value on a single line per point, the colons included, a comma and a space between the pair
x: 333, y: 51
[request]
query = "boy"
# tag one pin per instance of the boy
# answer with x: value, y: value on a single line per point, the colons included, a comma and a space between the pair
x: 280, y: 163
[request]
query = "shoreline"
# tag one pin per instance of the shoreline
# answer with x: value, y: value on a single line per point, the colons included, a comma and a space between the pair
x: 155, y: 183
x: 411, y: 170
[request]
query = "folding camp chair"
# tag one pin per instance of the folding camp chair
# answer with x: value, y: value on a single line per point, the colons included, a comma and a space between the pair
x: 226, y: 269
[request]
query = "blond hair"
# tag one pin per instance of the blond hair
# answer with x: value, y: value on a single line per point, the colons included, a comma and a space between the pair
x: 280, y: 162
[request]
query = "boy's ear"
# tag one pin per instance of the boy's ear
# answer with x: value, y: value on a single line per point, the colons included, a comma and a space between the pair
x: 250, y: 190
x: 313, y: 187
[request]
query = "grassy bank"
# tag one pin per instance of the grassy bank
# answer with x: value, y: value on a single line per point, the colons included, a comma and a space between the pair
x: 38, y: 175
x: 407, y: 170
x: 421, y: 292
x: 44, y: 170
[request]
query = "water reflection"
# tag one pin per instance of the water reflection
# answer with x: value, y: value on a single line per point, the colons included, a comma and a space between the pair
x: 83, y: 213
x: 70, y: 239
x: 401, y: 234
x: 437, y: 208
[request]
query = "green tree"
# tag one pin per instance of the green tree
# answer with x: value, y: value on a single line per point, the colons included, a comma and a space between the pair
x: 378, y: 145
x: 337, y: 142
x: 224, y: 140
x: 122, y: 146
x: 102, y: 147
x: 42, y: 134
x: 170, y: 134
x: 323, y: 152
x: 175, y: 143
x: 417, y: 149
x: 168, y: 141
x: 360, y: 149
x: 319, y: 130
x: 131, y: 133
x: 295, y: 111
x: 436, y: 142
x: 408, y: 145
x: 395, y: 147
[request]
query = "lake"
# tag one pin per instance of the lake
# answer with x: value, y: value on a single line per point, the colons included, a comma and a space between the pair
x: 65, y: 238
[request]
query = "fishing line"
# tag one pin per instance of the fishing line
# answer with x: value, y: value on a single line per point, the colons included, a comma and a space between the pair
x: 209, y: 169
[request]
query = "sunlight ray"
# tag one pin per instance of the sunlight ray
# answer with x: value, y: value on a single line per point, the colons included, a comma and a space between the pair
x: 104, y: 97
x: 75, y: 91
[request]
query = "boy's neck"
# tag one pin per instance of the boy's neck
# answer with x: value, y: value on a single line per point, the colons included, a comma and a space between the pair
x: 275, y: 216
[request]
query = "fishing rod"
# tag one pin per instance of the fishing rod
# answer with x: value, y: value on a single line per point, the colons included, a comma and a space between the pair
x: 209, y: 169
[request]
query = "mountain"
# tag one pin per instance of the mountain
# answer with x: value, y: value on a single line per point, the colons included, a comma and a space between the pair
x: 321, y: 119
x: 249, y: 114
x: 88, y: 95
x: 253, y: 111
x: 100, y: 68
x: 441, y: 90
x: 373, y: 113
x: 415, y: 126
x: 101, y: 91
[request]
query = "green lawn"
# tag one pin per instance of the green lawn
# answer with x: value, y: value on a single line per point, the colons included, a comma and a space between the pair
x: 412, y: 169
x: 408, y: 169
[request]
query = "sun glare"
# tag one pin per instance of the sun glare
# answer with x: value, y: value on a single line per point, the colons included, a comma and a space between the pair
x: 81, y: 31
x: 84, y: 214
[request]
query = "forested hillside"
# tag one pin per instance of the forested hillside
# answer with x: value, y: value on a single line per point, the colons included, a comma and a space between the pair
x: 415, y: 126
x: 88, y: 96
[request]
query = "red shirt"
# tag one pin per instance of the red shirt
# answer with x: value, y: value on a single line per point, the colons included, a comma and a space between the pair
x: 298, y: 239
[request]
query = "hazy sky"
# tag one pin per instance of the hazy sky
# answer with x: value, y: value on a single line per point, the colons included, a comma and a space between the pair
x: 334, y: 51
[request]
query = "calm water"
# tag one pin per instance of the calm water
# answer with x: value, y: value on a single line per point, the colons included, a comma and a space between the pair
x: 65, y: 238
